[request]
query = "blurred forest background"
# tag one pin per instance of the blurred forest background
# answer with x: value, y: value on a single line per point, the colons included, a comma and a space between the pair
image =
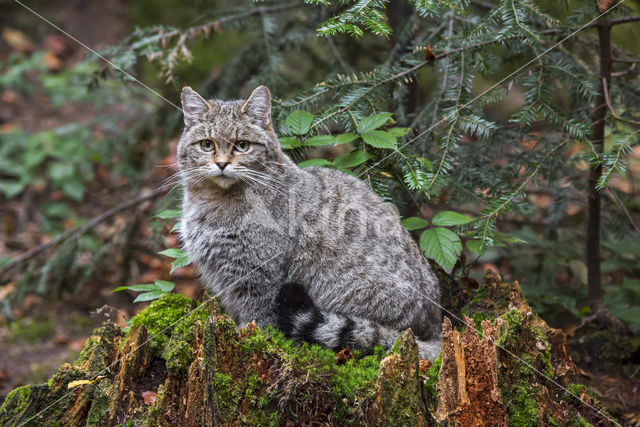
x: 385, y: 90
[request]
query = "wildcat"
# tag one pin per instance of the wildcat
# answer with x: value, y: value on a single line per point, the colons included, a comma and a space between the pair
x: 314, y: 252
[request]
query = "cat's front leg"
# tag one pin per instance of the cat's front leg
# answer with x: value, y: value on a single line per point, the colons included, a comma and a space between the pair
x: 250, y: 302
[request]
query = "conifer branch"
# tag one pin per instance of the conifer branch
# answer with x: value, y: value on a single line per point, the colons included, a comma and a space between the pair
x: 623, y: 20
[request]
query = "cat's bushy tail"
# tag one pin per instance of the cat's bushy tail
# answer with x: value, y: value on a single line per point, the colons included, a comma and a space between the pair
x: 300, y: 319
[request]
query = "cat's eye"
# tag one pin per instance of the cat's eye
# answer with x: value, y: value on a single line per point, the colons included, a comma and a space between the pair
x: 207, y: 145
x: 241, y: 146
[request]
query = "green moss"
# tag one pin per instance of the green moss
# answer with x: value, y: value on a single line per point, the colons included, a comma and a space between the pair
x: 544, y: 359
x: 523, y: 408
x: 432, y: 380
x: 510, y: 335
x: 226, y: 396
x: 161, y: 317
x: 352, y: 383
x: 262, y: 409
x: 552, y: 422
x: 573, y: 391
x: 578, y: 421
x: 15, y: 405
x: 99, y: 410
x: 172, y: 323
x: 479, y: 295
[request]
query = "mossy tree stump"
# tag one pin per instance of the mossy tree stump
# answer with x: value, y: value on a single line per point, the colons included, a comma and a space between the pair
x: 203, y: 371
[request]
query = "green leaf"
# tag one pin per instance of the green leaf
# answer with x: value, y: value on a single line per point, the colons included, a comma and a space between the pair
x: 352, y: 159
x: 319, y: 140
x: 345, y: 138
x: 164, y: 285
x: 11, y: 188
x: 136, y: 288
x: 168, y: 213
x: 414, y: 223
x: 449, y: 218
x: 73, y: 188
x: 373, y: 122
x: 173, y: 253
x: 398, y: 132
x: 289, y: 142
x: 315, y: 162
x: 149, y: 296
x: 475, y: 246
x: 442, y: 245
x: 379, y: 139
x: 59, y: 171
x: 299, y: 122
x: 179, y: 263
x: 176, y: 227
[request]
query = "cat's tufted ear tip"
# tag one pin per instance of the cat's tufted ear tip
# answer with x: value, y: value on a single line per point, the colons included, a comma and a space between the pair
x: 258, y: 105
x: 194, y: 106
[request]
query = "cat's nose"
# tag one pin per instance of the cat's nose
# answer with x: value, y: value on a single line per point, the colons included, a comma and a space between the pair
x: 222, y: 165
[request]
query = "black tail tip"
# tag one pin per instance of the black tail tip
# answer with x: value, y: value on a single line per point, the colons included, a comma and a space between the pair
x: 291, y: 300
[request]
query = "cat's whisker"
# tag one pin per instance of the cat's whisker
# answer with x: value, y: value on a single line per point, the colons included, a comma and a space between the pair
x: 266, y: 182
x: 185, y: 173
x: 263, y: 183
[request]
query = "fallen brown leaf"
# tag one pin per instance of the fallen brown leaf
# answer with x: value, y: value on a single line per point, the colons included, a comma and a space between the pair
x: 344, y: 356
x: 149, y: 397
x: 425, y: 365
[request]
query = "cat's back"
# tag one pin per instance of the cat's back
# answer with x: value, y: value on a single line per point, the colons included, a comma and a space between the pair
x: 342, y: 188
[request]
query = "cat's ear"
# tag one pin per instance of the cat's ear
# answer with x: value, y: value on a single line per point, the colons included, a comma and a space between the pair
x: 258, y: 106
x: 194, y: 106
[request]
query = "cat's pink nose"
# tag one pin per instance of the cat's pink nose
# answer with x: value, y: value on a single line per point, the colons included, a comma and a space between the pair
x: 222, y: 165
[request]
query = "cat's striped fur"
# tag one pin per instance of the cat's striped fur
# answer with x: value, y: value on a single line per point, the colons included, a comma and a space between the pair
x: 312, y: 251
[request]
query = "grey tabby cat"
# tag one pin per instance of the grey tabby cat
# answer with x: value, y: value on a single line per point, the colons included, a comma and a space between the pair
x: 314, y: 252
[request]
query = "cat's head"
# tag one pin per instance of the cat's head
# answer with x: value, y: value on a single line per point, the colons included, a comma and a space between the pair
x: 227, y: 142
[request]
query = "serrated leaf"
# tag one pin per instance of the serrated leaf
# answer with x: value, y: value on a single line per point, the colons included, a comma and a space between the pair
x: 289, y: 142
x: 373, y: 122
x: 168, y: 213
x: 449, y: 218
x: 319, y: 140
x: 314, y: 162
x: 179, y: 263
x: 164, y: 285
x: 475, y: 246
x: 149, y: 296
x: 345, y: 138
x: 352, y: 159
x: 299, y: 122
x: 414, y: 223
x: 398, y: 131
x: 442, y: 245
x: 173, y: 253
x: 379, y: 139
